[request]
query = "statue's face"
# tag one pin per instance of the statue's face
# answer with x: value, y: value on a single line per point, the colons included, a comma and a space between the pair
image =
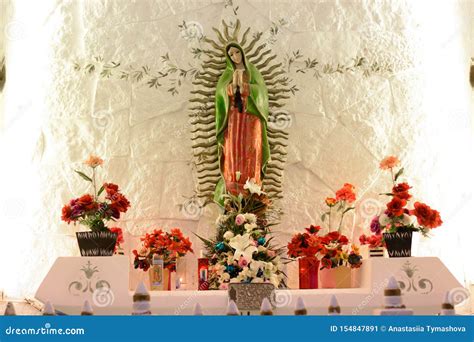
x: 235, y: 55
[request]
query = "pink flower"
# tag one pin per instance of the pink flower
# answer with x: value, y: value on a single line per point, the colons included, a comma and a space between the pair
x: 243, y: 262
x: 271, y: 253
x: 239, y: 219
x: 94, y: 161
x: 389, y: 163
x: 224, y: 286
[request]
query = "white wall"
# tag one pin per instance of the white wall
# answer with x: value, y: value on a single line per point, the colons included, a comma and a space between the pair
x: 342, y: 125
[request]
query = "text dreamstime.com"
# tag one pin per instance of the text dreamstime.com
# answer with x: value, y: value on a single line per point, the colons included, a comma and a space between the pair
x: 46, y: 330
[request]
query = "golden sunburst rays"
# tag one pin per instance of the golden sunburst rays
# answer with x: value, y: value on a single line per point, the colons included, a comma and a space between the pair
x: 202, y: 111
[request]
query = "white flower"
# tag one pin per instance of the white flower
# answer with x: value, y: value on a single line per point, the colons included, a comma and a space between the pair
x: 253, y: 187
x: 243, y: 246
x: 261, y: 249
x: 218, y: 268
x: 407, y: 219
x: 250, y: 226
x: 384, y: 220
x: 225, y: 277
x: 250, y: 218
x: 275, y: 280
x: 269, y: 266
x: 221, y: 219
x: 228, y: 235
x: 257, y: 280
x: 255, y: 265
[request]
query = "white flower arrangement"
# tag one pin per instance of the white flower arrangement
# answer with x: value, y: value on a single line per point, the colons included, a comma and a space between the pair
x: 228, y: 235
x: 253, y: 187
x: 243, y: 246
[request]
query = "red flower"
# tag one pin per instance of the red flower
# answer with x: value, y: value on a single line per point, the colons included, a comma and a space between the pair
x: 337, y: 237
x: 168, y: 245
x: 396, y: 205
x: 111, y: 189
x: 86, y: 202
x: 373, y: 240
x: 303, y: 245
x: 120, y: 239
x: 313, y: 229
x: 119, y: 234
x: 120, y: 202
x: 67, y: 214
x: 326, y: 263
x: 401, y: 191
x: 403, y: 195
x: 346, y: 193
x: 426, y: 216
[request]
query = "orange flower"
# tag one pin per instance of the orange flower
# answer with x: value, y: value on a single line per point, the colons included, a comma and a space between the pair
x: 426, y: 216
x: 94, y: 161
x: 389, y: 163
x: 346, y: 193
x: 396, y: 205
x: 330, y: 201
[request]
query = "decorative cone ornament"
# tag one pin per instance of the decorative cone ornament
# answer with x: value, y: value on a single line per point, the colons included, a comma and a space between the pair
x: 10, y: 310
x: 334, y: 308
x: 87, y: 309
x: 300, y: 309
x: 48, y: 309
x: 232, y: 309
x: 197, y: 310
x: 447, y: 308
x: 141, y: 301
x: 266, y: 308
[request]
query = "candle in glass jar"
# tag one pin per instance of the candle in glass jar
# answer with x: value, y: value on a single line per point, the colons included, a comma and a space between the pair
x: 203, y: 269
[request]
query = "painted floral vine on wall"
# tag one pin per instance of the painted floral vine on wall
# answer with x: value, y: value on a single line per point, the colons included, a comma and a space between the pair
x: 172, y: 75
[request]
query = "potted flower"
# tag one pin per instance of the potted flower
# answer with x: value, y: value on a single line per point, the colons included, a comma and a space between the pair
x: 336, y: 255
x: 375, y: 243
x: 242, y: 251
x: 304, y: 247
x: 159, y: 254
x: 398, y: 222
x: 337, y: 259
x: 94, y: 211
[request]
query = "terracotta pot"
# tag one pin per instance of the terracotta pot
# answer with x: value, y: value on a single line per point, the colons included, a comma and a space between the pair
x: 308, y: 272
x: 335, y: 278
x: 96, y: 243
x: 399, y: 243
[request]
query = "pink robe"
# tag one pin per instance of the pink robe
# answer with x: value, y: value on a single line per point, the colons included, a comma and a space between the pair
x: 242, y: 146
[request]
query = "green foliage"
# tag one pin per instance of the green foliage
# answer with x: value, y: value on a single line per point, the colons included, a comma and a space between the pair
x: 83, y: 175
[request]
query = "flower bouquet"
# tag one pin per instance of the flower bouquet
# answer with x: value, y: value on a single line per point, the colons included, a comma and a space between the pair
x: 336, y: 256
x: 163, y: 248
x: 304, y: 247
x: 375, y: 242
x: 242, y: 251
x: 397, y: 223
x: 94, y: 212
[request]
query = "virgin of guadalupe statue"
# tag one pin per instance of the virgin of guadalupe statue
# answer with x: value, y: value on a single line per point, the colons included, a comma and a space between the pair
x: 241, y: 108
